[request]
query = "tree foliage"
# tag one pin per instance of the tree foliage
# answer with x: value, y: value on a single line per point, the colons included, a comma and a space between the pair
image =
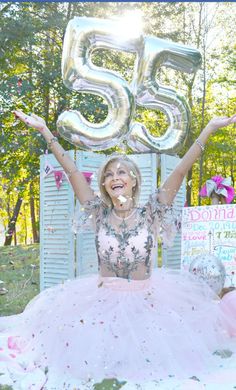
x: 31, y: 38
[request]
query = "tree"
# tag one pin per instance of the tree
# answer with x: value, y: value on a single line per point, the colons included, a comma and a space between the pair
x: 31, y: 37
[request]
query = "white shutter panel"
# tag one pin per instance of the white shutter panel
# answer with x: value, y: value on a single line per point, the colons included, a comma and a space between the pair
x: 147, y: 164
x: 86, y: 256
x: 56, y: 237
x: 58, y: 246
x: 171, y: 257
x: 90, y: 162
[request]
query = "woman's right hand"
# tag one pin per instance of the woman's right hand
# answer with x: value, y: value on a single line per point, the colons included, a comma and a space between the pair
x: 31, y: 120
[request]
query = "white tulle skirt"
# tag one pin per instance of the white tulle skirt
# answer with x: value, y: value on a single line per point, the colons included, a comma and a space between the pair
x: 170, y: 327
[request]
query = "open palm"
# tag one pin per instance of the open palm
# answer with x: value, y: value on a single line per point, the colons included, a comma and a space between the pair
x: 217, y: 123
x: 31, y: 120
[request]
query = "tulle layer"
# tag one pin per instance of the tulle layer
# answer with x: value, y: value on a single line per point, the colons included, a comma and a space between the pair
x: 169, y: 326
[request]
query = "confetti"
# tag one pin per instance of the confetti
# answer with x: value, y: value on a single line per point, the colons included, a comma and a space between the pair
x: 122, y: 199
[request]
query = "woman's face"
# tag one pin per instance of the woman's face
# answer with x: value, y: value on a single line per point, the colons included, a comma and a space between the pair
x: 119, y: 181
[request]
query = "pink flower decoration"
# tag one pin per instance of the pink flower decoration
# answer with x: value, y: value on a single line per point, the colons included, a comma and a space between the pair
x: 220, y: 186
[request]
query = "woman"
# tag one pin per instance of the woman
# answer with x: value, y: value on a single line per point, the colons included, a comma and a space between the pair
x: 131, y: 323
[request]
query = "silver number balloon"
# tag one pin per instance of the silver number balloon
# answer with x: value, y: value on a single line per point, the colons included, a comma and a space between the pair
x: 83, y: 35
x: 149, y: 94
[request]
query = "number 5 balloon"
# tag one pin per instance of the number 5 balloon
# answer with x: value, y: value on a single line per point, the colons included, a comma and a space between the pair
x: 83, y: 35
x: 149, y: 94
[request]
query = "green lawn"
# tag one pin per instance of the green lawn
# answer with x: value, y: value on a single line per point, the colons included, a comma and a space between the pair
x: 19, y: 270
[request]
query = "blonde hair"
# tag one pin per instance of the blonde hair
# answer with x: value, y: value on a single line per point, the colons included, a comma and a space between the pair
x: 134, y: 173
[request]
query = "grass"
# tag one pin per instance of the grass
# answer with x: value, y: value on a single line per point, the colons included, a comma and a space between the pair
x: 19, y: 270
x: 108, y: 384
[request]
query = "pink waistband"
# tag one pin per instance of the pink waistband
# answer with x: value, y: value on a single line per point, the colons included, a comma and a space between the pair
x: 123, y: 284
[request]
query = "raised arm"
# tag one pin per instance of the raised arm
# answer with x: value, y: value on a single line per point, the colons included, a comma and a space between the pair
x: 80, y: 186
x: 173, y: 182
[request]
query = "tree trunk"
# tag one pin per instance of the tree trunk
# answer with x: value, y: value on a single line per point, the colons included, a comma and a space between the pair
x: 68, y: 16
x: 15, y: 238
x: 32, y: 215
x: 12, y: 224
x: 25, y: 223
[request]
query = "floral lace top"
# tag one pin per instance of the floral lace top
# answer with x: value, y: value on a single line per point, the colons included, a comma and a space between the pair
x: 126, y: 246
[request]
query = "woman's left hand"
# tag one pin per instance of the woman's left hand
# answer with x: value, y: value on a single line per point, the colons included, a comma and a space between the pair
x: 31, y: 120
x: 217, y: 123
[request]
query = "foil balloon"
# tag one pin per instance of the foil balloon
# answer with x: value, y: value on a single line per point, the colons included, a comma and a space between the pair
x: 82, y: 37
x: 150, y: 94
x: 210, y: 269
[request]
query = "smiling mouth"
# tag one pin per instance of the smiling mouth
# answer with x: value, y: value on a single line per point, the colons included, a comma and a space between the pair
x: 117, y: 186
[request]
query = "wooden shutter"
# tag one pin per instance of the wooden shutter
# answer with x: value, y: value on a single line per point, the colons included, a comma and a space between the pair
x: 147, y: 164
x: 62, y: 254
x: 56, y: 237
x: 171, y: 257
x: 86, y: 257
